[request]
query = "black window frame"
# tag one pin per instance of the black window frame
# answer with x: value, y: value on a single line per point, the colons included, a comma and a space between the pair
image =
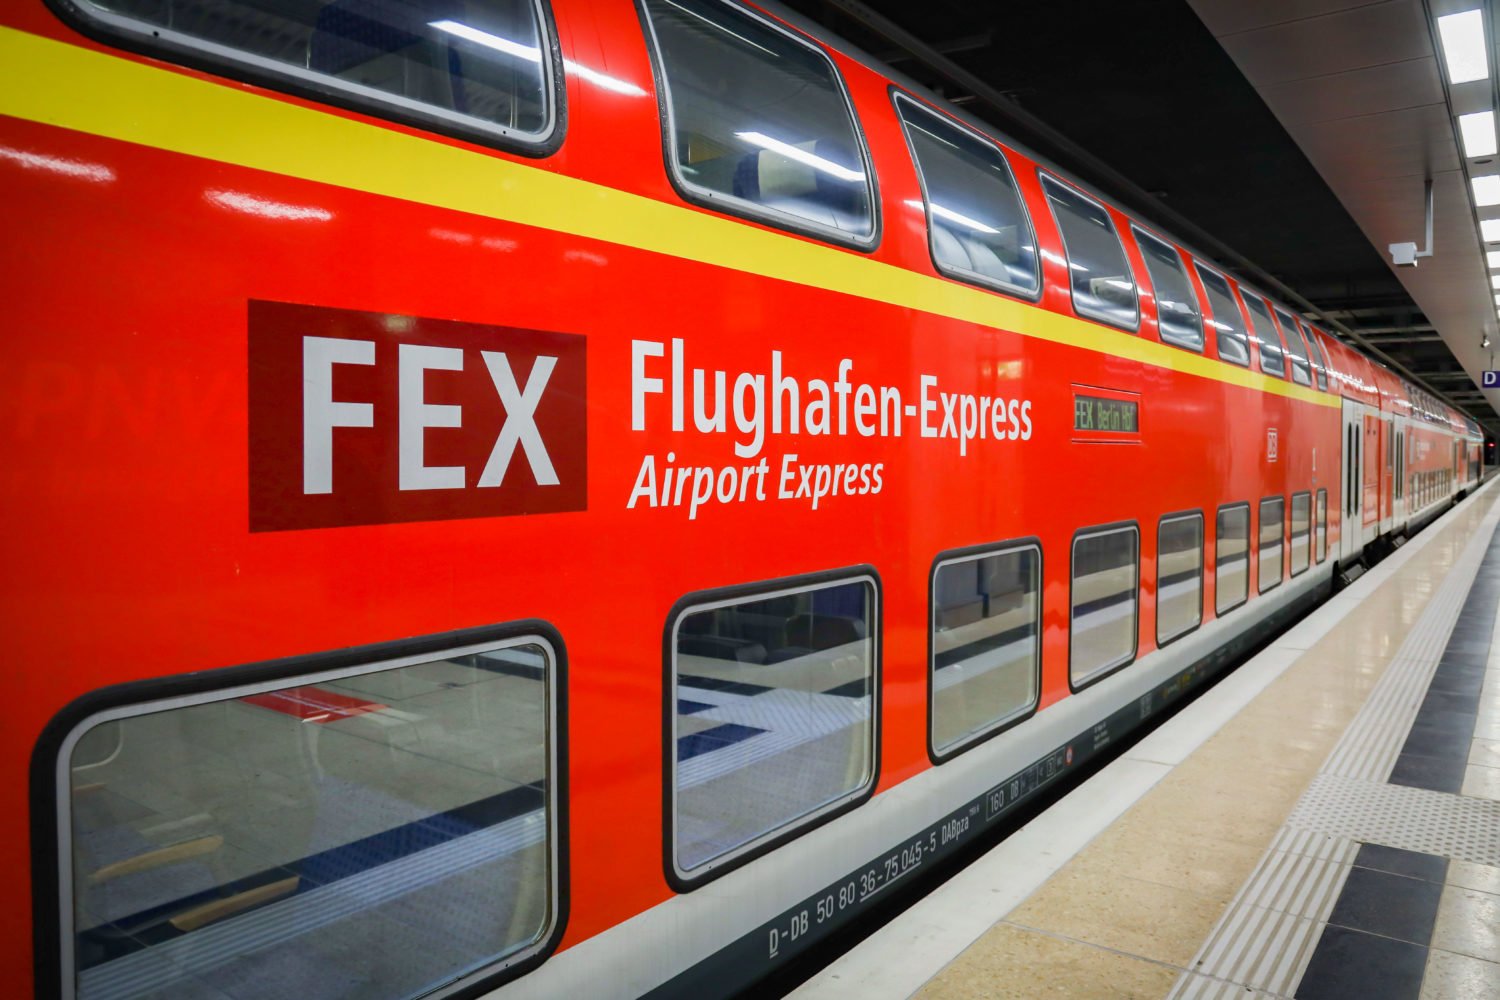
x: 1281, y: 576
x: 799, y: 827
x: 1312, y: 531
x: 1243, y: 337
x: 49, y: 760
x: 1320, y: 362
x: 1142, y: 235
x: 897, y: 96
x: 1251, y: 317
x: 127, y: 33
x: 741, y: 208
x: 1291, y: 333
x: 1046, y: 179
x: 1181, y: 515
x: 977, y: 552
x: 1100, y: 673
x: 1249, y: 534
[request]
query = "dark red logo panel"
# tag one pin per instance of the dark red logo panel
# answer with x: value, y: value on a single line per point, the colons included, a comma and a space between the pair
x: 368, y: 418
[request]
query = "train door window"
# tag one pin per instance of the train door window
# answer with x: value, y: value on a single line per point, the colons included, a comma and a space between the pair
x: 1102, y: 283
x: 1227, y: 324
x: 1179, y: 576
x: 771, y: 711
x: 1320, y: 363
x: 1295, y: 348
x: 758, y: 122
x: 1176, y: 304
x: 1231, y: 557
x: 488, y: 72
x: 1264, y: 331
x: 388, y: 828
x: 977, y: 225
x: 1272, y: 516
x: 1105, y: 602
x: 1321, y: 548
x: 1299, y: 555
x: 986, y: 643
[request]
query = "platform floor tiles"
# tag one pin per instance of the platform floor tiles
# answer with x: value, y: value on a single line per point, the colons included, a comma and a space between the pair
x: 1339, y: 837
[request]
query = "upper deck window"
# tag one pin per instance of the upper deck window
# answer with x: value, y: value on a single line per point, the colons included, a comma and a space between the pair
x: 976, y: 220
x: 1229, y: 326
x: 1176, y: 304
x: 482, y: 69
x: 758, y: 123
x: 1296, y: 350
x: 1320, y: 364
x: 1103, y: 286
x: 1271, y: 354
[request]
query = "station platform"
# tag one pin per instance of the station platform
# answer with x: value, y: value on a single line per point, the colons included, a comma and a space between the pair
x: 1323, y: 823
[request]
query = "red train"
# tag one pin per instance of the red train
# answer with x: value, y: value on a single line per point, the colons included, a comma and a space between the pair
x: 576, y: 498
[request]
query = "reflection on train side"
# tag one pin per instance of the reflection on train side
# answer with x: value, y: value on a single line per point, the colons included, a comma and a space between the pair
x: 374, y: 835
x: 774, y: 721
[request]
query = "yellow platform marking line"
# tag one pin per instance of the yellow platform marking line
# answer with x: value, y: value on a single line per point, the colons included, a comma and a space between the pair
x: 105, y: 95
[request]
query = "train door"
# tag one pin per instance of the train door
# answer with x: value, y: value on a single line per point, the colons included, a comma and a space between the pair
x: 1387, y: 474
x: 1349, y: 485
x: 1398, y: 484
x: 1369, y: 483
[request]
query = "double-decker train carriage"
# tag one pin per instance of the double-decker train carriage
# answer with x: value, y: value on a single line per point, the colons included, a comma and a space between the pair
x: 577, y: 498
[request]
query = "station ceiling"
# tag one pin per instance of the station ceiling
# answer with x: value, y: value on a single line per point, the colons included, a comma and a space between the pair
x: 1288, y: 138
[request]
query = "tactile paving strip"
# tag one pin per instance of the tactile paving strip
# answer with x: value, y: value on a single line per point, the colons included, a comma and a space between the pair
x: 1415, y: 819
x: 1266, y: 937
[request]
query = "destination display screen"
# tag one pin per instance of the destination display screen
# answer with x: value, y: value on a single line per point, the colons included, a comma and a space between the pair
x: 1094, y: 413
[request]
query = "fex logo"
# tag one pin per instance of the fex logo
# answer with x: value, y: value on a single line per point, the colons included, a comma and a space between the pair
x: 365, y: 418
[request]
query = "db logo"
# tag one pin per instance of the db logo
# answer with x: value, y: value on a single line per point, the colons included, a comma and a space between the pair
x: 1271, y: 445
x: 367, y: 418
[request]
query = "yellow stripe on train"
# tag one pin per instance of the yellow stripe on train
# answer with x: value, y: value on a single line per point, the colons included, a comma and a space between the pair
x: 118, y: 98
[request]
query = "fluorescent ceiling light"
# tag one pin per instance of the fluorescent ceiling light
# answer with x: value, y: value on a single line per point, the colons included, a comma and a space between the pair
x: 1495, y: 281
x: 1490, y: 230
x: 1479, y: 133
x: 1494, y: 258
x: 943, y: 212
x: 802, y: 156
x: 1463, y: 46
x: 528, y: 52
x: 1487, y: 190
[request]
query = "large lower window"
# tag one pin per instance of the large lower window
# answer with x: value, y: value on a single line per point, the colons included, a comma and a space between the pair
x: 1272, y: 517
x: 1231, y: 557
x: 1105, y: 602
x: 1299, y: 555
x: 772, y: 714
x: 381, y: 831
x: 1179, y: 576
x: 481, y: 67
x: 758, y: 122
x: 986, y: 643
